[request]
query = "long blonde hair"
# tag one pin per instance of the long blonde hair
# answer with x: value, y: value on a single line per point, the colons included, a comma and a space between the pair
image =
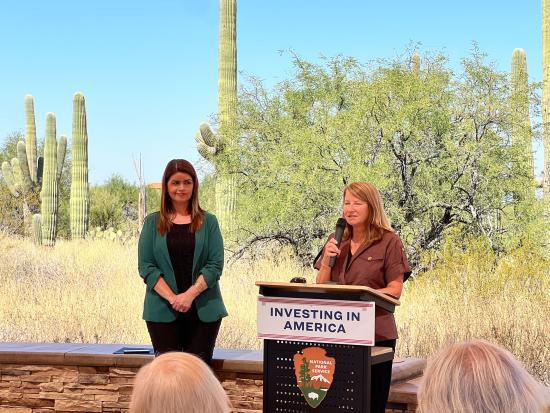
x: 175, y: 383
x: 478, y: 377
x: 377, y: 221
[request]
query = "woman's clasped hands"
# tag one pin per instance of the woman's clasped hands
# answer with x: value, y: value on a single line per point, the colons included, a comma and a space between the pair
x: 183, y: 302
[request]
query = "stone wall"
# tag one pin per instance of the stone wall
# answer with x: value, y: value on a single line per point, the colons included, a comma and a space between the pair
x: 42, y: 389
x: 89, y: 378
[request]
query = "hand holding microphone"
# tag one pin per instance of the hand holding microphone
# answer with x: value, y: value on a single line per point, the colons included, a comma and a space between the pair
x: 331, y: 248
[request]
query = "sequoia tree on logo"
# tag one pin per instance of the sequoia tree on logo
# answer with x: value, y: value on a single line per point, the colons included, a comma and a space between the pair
x: 314, y: 374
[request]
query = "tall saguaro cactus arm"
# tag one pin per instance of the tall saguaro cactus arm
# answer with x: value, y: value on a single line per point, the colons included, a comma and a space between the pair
x: 521, y: 125
x: 227, y: 63
x: 26, y: 182
x: 17, y: 174
x: 80, y: 196
x: 49, y: 193
x: 61, y: 152
x: 30, y: 137
x: 8, y: 177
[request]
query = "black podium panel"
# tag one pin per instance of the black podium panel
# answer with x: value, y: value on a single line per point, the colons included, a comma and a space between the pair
x: 347, y: 393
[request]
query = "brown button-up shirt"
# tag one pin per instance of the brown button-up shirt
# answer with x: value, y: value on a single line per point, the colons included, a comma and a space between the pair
x: 373, y: 266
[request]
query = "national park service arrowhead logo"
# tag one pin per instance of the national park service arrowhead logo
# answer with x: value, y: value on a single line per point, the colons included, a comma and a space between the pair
x: 314, y: 373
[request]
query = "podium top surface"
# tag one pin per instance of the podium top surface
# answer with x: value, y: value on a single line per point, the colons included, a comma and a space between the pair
x: 328, y: 288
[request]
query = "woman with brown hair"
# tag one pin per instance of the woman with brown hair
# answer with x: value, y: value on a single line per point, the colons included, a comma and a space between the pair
x: 370, y: 254
x: 180, y: 258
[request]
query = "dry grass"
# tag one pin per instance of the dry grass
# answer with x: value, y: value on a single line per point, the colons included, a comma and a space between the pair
x: 89, y: 291
x: 471, y: 295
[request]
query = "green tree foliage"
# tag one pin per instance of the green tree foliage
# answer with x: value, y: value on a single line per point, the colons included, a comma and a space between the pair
x: 436, y: 143
x: 8, y: 149
x: 114, y: 204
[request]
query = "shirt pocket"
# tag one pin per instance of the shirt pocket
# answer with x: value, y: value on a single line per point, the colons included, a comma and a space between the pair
x: 371, y: 269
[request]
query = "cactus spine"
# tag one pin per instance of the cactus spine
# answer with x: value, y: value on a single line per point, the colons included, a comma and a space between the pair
x: 209, y: 145
x: 521, y: 125
x: 80, y: 195
x: 546, y: 93
x: 50, y: 190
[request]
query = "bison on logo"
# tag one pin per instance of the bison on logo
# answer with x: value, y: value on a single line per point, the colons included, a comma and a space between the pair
x: 314, y: 374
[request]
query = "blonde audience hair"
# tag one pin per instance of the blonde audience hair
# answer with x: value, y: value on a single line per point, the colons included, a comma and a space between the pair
x: 479, y: 377
x: 178, y: 383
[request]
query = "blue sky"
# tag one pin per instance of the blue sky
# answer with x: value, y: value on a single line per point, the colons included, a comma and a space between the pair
x: 148, y: 69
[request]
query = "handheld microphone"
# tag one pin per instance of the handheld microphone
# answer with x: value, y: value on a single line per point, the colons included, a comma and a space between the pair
x: 338, y: 232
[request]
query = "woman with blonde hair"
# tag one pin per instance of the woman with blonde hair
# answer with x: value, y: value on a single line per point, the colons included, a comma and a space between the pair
x: 370, y: 254
x: 178, y: 383
x: 479, y: 377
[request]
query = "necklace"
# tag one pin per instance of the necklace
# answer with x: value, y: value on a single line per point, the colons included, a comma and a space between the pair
x: 355, y: 245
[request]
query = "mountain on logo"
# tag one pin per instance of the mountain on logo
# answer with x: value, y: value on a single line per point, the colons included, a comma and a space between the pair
x: 320, y: 378
x: 314, y: 386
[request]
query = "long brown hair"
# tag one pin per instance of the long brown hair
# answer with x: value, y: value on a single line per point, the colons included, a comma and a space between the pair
x: 377, y: 221
x: 166, y: 207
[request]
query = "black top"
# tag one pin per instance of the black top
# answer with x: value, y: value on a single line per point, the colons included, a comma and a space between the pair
x: 181, y: 247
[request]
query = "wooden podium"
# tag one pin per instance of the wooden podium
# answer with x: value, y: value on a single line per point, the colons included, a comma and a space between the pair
x: 349, y: 390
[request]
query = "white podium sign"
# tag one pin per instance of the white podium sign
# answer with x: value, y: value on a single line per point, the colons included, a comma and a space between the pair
x: 316, y: 320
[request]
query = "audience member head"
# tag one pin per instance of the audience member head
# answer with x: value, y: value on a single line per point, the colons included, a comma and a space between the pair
x: 178, y: 383
x: 478, y: 377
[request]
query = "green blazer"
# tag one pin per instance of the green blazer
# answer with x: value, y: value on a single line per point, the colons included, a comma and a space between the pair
x: 154, y: 262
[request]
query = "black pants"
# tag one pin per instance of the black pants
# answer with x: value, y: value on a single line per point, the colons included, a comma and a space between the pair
x: 380, y: 381
x: 187, y: 333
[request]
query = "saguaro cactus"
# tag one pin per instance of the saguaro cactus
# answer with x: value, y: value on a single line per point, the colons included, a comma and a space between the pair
x: 80, y: 194
x: 50, y: 188
x: 23, y: 175
x: 209, y: 145
x: 521, y: 125
x: 546, y: 92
